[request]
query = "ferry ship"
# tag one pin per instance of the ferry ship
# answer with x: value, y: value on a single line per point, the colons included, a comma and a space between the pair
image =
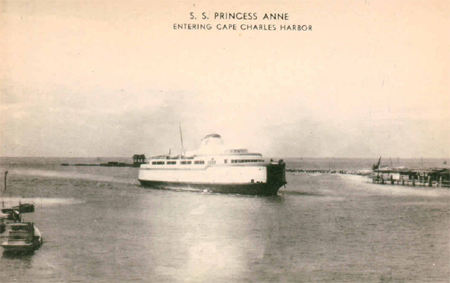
x: 213, y: 168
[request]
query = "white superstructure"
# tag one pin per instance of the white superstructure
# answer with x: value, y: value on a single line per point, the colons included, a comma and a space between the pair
x: 212, y: 166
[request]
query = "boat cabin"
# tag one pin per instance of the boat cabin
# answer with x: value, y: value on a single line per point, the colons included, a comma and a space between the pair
x: 211, y: 152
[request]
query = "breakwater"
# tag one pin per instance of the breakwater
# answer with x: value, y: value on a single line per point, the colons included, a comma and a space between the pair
x: 329, y: 171
x: 138, y: 159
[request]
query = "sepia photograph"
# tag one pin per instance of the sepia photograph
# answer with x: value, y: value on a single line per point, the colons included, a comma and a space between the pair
x: 224, y: 141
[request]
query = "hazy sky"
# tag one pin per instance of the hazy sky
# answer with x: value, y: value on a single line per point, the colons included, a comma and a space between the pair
x: 113, y: 78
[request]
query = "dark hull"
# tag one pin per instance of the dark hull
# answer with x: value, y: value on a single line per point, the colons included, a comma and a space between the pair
x: 23, y: 248
x: 243, y: 189
x: 19, y: 249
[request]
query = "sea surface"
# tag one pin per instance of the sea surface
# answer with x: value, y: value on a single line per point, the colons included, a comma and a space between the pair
x: 99, y: 225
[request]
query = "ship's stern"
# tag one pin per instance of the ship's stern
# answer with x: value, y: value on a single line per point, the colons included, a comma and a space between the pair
x: 276, y: 176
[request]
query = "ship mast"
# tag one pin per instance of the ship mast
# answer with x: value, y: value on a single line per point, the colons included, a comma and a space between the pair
x: 181, y: 138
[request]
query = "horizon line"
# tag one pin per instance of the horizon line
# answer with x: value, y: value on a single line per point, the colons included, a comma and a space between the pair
x: 357, y: 157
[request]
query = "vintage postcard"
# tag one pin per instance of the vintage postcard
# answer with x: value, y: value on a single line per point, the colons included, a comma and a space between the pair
x: 231, y: 141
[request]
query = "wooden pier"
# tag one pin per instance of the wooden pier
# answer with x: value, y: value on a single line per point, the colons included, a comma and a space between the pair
x: 431, y: 177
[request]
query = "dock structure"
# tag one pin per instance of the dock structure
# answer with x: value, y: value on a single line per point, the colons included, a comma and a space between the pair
x: 430, y: 177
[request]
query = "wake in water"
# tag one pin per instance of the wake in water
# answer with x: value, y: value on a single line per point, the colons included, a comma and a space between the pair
x: 298, y: 193
x: 12, y: 201
x: 71, y: 175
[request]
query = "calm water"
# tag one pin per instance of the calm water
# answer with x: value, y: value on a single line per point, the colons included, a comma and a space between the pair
x: 100, y: 226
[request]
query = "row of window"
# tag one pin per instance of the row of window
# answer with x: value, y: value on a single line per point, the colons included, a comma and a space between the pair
x: 199, y: 162
x: 183, y: 162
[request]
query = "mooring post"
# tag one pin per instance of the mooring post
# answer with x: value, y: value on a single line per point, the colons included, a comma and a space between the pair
x: 4, y: 188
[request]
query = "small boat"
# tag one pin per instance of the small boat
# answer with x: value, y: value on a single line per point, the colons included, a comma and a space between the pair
x: 21, y: 237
